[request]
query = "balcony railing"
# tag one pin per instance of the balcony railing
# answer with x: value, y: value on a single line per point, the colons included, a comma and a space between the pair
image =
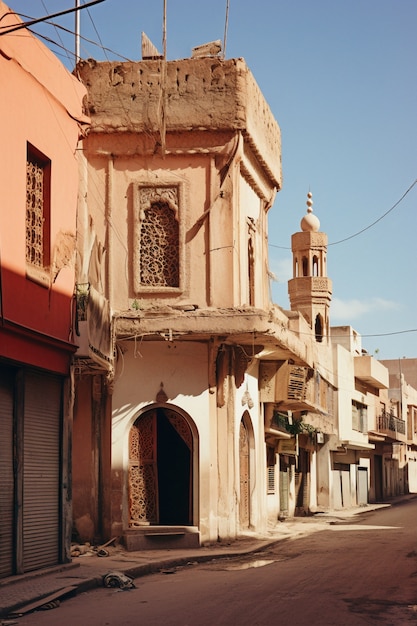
x: 386, y: 421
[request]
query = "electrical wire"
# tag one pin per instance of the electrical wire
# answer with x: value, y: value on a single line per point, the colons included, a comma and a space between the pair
x: 57, y: 32
x: 90, y: 41
x: 97, y: 33
x: 12, y: 29
x: 334, y: 243
x: 362, y: 335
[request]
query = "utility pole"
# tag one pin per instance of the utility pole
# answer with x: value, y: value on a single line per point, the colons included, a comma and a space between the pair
x: 401, y: 389
x: 77, y: 31
x: 164, y: 31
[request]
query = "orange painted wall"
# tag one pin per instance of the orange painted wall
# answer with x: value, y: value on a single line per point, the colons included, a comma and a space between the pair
x: 40, y: 103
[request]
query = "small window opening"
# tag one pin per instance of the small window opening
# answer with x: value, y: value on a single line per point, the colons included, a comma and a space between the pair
x: 318, y: 328
x: 315, y: 266
x: 305, y: 266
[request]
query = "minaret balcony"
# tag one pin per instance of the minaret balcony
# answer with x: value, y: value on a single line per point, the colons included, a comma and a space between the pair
x: 310, y: 284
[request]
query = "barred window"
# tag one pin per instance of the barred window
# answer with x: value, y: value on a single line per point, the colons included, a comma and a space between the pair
x: 38, y: 169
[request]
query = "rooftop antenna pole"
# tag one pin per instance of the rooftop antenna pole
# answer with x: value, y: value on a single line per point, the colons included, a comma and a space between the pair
x: 225, y: 29
x: 164, y: 31
x: 77, y: 31
x: 163, y: 83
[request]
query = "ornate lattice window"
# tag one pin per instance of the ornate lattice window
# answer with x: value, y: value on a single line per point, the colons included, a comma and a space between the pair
x: 157, y: 242
x: 37, y: 208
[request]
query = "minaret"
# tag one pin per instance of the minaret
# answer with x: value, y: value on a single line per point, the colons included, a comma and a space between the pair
x: 310, y: 290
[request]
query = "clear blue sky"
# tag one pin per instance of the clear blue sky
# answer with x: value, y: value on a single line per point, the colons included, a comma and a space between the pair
x: 340, y: 78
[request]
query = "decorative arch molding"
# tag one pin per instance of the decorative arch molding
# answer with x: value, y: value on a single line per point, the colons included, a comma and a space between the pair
x: 158, y: 195
x: 171, y: 407
x: 247, y: 420
x: 246, y: 469
x: 162, y: 435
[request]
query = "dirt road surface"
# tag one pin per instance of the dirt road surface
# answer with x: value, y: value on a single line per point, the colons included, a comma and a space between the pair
x: 362, y: 571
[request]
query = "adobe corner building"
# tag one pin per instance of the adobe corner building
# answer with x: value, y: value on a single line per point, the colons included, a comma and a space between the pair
x: 187, y: 376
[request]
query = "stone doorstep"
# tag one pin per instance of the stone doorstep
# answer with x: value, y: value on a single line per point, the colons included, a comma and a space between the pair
x: 161, y: 538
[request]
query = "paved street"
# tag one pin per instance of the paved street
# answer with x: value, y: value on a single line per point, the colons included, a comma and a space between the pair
x: 359, y: 571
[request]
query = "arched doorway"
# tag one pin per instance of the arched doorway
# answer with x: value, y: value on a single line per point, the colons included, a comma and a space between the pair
x: 160, y: 469
x: 245, y: 470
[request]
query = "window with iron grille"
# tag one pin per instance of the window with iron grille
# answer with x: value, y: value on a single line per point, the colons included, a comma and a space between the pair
x: 270, y: 470
x: 271, y: 479
x: 38, y: 175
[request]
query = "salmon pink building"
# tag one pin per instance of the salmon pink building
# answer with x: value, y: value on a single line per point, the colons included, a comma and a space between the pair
x: 41, y: 113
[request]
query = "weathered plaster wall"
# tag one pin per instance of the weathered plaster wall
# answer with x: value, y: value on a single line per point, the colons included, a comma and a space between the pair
x: 210, y: 239
x: 247, y: 406
x: 183, y: 370
x: 346, y: 393
x: 205, y: 93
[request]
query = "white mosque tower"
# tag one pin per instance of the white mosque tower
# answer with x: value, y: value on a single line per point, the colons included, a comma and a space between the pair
x: 310, y: 291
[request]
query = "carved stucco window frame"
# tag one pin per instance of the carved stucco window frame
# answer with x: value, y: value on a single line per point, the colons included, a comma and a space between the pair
x: 172, y: 194
x: 38, y: 215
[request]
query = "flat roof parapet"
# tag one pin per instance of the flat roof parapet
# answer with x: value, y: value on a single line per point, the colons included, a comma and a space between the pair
x: 210, y: 94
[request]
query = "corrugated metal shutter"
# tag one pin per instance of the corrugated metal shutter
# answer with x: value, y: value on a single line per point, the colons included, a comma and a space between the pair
x: 41, y: 471
x: 6, y: 474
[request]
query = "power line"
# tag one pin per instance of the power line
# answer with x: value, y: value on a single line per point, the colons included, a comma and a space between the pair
x: 379, y: 218
x: 54, y: 43
x: 57, y: 31
x: 45, y: 18
x: 334, y: 243
x: 395, y: 332
x: 97, y: 33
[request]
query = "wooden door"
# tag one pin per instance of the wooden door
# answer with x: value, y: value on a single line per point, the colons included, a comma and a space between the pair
x: 244, y: 512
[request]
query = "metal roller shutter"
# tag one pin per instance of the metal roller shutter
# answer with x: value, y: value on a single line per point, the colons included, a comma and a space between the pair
x: 41, y: 471
x: 6, y: 473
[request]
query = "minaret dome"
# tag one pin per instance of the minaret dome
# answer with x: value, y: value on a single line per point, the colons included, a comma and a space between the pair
x: 310, y: 222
